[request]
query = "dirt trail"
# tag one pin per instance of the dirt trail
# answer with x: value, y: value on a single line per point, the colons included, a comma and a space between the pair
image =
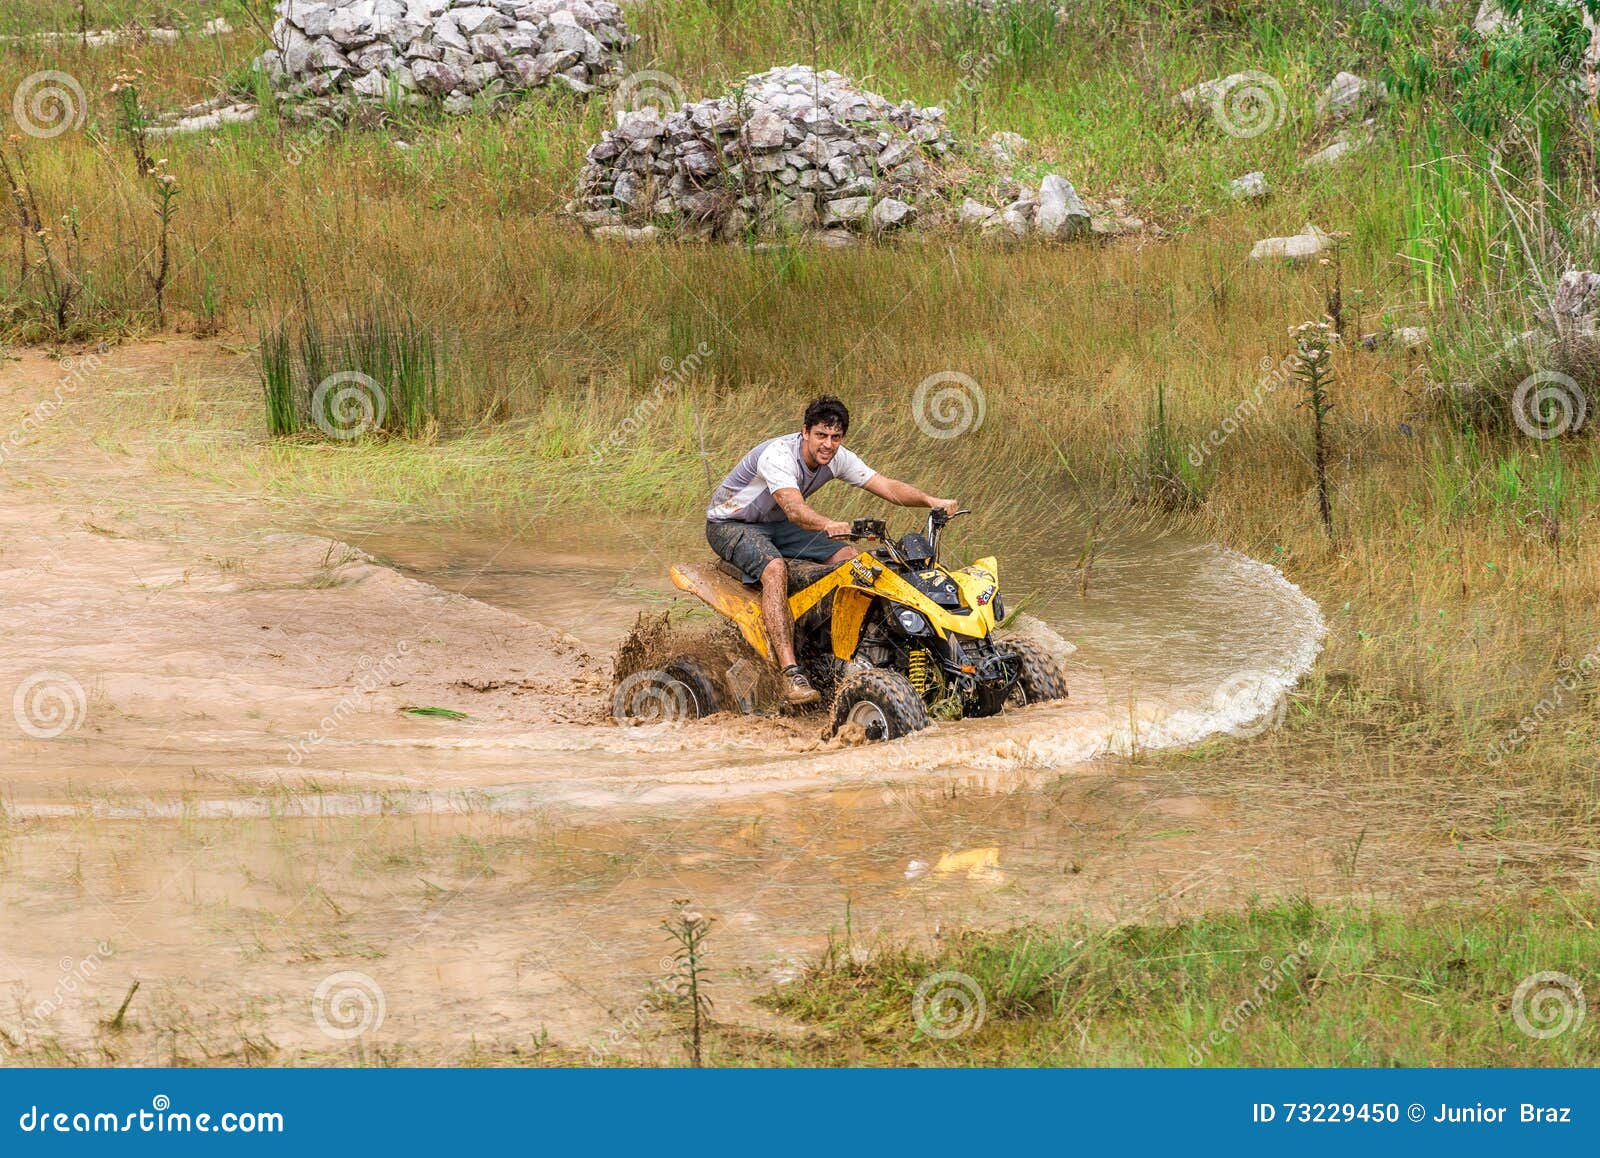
x: 210, y: 786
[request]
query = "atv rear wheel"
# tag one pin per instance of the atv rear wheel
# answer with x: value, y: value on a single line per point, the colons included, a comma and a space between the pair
x: 883, y: 704
x: 706, y: 698
x: 680, y: 689
x: 1041, y: 677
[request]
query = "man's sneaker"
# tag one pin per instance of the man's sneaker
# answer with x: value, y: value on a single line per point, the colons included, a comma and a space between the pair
x: 797, y: 690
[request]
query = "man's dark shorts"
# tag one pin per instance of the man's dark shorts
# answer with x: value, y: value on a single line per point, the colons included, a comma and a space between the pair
x: 751, y: 546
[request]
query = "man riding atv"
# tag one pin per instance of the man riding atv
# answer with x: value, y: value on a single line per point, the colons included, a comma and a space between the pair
x: 759, y: 518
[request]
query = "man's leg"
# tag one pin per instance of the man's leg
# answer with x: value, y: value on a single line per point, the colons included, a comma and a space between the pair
x: 775, y: 611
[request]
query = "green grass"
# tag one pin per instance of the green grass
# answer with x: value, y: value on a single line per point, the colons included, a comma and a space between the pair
x: 1287, y: 984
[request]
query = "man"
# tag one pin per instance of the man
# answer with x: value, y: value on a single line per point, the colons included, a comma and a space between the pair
x: 759, y: 518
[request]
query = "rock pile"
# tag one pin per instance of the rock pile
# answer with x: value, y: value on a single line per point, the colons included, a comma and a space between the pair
x: 446, y: 50
x: 793, y: 150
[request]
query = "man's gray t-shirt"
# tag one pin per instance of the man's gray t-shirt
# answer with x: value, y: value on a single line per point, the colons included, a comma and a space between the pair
x: 745, y: 496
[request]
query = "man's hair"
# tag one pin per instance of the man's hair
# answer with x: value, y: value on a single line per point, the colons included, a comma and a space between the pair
x: 827, y: 411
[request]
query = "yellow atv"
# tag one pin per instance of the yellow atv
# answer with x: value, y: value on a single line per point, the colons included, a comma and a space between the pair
x: 890, y: 635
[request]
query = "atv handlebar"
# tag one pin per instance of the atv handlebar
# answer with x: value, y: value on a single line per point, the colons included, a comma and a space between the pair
x: 866, y: 529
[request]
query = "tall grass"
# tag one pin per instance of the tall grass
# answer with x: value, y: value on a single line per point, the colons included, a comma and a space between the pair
x: 388, y: 358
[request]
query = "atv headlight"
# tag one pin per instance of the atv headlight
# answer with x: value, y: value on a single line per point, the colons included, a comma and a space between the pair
x: 999, y: 608
x: 913, y: 623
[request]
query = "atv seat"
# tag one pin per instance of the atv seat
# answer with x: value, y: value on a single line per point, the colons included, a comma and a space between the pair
x: 802, y: 573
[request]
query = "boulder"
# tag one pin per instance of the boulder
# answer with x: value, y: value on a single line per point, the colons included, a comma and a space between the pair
x: 1061, y: 213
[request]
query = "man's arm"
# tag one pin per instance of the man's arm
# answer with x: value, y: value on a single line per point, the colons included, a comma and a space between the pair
x: 905, y: 495
x: 801, y: 515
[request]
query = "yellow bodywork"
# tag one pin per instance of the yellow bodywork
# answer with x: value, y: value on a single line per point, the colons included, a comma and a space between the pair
x: 854, y: 583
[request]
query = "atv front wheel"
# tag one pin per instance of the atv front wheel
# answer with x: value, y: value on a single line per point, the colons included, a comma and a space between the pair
x: 883, y: 704
x: 1041, y: 676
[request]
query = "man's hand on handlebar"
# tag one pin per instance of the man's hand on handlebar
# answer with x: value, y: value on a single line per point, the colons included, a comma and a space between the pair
x: 837, y: 530
x: 948, y: 506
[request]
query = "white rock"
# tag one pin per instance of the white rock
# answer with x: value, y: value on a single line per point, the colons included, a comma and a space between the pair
x: 1061, y: 213
x: 1006, y: 147
x: 1018, y: 216
x: 1577, y: 296
x: 1250, y: 187
x: 1491, y: 18
x: 976, y: 213
x: 312, y: 19
x: 1348, y: 95
x: 764, y: 130
x: 1306, y: 244
x: 625, y: 232
x: 890, y: 213
x: 845, y: 209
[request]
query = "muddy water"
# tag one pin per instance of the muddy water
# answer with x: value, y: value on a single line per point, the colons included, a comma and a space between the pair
x: 1176, y: 639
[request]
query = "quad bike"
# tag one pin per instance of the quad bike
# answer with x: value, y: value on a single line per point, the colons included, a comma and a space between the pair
x: 888, y: 636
